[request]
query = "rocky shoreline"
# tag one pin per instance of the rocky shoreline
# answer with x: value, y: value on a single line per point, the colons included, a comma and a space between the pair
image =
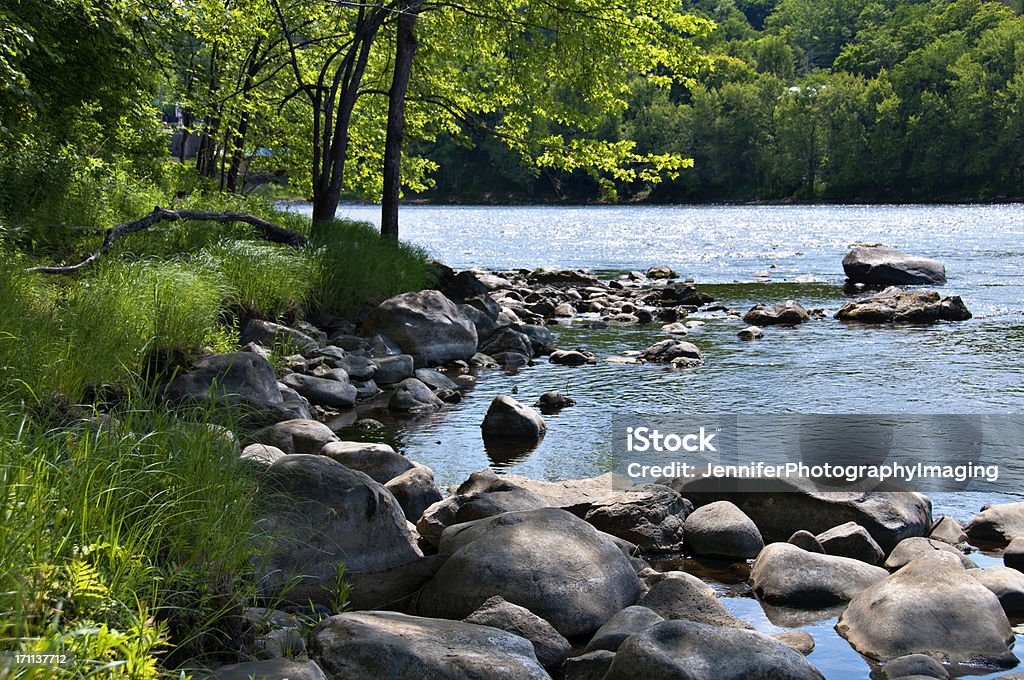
x: 375, y: 572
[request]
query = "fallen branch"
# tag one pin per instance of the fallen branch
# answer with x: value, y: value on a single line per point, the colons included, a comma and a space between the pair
x: 271, y: 232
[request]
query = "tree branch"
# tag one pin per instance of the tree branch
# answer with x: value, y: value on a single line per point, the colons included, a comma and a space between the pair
x: 271, y: 232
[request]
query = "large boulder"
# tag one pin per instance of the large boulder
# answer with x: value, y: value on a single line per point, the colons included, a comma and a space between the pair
x: 506, y: 418
x: 381, y: 462
x: 909, y: 549
x: 628, y: 622
x: 575, y: 495
x: 997, y: 524
x: 549, y: 561
x: 1005, y: 583
x: 931, y: 606
x: 426, y: 325
x: 235, y: 378
x: 851, y: 540
x: 790, y: 576
x: 678, y: 595
x: 466, y: 507
x: 788, y: 313
x: 319, y: 514
x: 889, y: 516
x: 894, y: 305
x: 297, y: 436
x: 383, y: 645
x: 412, y: 396
x: 720, y: 529
x: 323, y: 391
x: 415, y: 490
x: 651, y: 516
x: 687, y: 650
x: 884, y: 267
x: 551, y: 647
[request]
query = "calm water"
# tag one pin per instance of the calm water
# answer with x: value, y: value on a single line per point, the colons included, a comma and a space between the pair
x: 821, y: 367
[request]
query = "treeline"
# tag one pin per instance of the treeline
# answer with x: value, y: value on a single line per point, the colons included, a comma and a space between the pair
x: 862, y: 100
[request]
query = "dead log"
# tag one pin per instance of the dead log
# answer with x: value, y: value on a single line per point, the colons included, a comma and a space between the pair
x: 271, y: 232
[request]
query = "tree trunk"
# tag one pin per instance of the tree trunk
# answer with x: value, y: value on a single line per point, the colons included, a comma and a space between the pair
x: 405, y: 50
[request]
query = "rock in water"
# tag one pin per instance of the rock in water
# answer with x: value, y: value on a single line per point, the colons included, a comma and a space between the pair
x: 686, y: 650
x: 549, y: 561
x: 386, y: 645
x: 997, y: 524
x: 426, y: 325
x: 894, y: 305
x: 508, y: 419
x: 883, y: 267
x: 853, y: 541
x: 786, y: 575
x: 931, y: 606
x: 721, y: 529
x: 670, y: 351
x: 788, y: 313
x: 412, y: 396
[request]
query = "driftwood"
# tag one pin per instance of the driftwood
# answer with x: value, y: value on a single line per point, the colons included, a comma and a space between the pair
x: 271, y: 232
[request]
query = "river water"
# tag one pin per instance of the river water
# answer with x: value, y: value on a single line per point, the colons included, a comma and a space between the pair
x: 741, y: 256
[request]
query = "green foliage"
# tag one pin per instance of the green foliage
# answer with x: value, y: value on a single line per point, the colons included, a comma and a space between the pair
x: 265, y: 280
x: 358, y: 267
x: 122, y: 539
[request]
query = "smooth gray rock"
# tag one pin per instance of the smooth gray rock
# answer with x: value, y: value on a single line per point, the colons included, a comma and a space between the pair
x: 687, y: 650
x: 789, y: 576
x: 997, y: 524
x: 320, y: 513
x: 651, y: 516
x: 412, y: 396
x: 233, y: 378
x: 297, y: 436
x: 548, y: 560
x: 931, y: 606
x: 797, y: 640
x: 895, y: 305
x: 273, y: 669
x: 392, y: 589
x: 381, y: 462
x: 884, y: 267
x: 678, y: 595
x: 268, y: 334
x: 540, y: 337
x: 262, y: 454
x: 575, y: 495
x: 912, y: 548
x: 853, y: 541
x: 332, y: 393
x: 590, y: 666
x: 948, y: 530
x: 435, y: 380
x: 466, y: 507
x: 807, y: 541
x: 750, y: 333
x: 629, y: 621
x: 415, y: 490
x: 720, y: 529
x: 1013, y: 554
x: 426, y: 325
x: 384, y: 645
x: 668, y: 351
x: 914, y: 666
x: 788, y: 313
x: 551, y: 647
x: 1005, y: 583
x: 392, y: 369
x: 507, y: 418
x: 507, y: 340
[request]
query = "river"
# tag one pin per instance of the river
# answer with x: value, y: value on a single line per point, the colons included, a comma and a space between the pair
x: 741, y: 256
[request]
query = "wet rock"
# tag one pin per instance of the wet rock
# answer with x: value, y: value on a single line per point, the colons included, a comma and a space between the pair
x: 379, y: 461
x: 686, y: 650
x: 320, y: 513
x: 931, y: 606
x: 511, y: 359
x: 365, y: 645
x: 331, y: 393
x: 297, y: 436
x: 540, y: 337
x: 678, y: 595
x: 914, y: 666
x: 426, y: 325
x: 750, y: 333
x: 807, y: 541
x: 683, y: 294
x: 435, y: 380
x: 273, y: 669
x: 788, y: 313
x: 268, y: 334
x: 786, y: 575
x: 894, y: 305
x: 564, y: 277
x: 368, y: 425
x: 553, y: 402
x: 668, y: 351
x: 661, y: 271
x: 650, y: 516
x: 571, y: 357
x: 506, y: 418
x: 549, y: 561
x: 796, y: 640
x: 508, y: 340
x: 415, y: 490
x: 676, y: 328
x: 392, y: 369
x: 1006, y: 584
x: 997, y: 524
x: 883, y: 267
x: 853, y: 541
x: 551, y: 648
x: 590, y: 666
x: 629, y: 621
x: 911, y: 548
x: 358, y: 368
x: 721, y: 530
x: 948, y: 530
x: 412, y: 396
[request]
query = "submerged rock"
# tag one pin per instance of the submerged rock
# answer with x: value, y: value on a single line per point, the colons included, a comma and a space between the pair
x: 884, y: 267
x: 894, y: 305
x: 788, y: 313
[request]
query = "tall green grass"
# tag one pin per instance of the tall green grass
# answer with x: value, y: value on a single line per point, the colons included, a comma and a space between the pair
x: 125, y: 542
x: 263, y: 279
x: 358, y: 267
